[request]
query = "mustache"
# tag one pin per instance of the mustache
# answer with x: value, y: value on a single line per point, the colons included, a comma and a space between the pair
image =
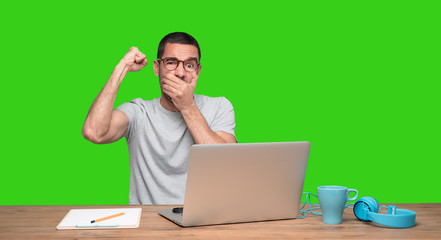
x: 182, y: 78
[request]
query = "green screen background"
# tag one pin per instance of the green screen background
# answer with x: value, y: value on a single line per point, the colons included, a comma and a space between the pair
x: 360, y: 80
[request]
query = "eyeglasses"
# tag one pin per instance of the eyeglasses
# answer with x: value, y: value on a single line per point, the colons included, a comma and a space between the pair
x: 190, y: 65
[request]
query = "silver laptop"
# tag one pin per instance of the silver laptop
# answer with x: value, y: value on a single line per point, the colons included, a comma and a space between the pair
x: 244, y: 182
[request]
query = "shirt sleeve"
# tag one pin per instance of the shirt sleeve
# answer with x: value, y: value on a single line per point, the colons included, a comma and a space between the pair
x: 130, y: 109
x: 224, y: 119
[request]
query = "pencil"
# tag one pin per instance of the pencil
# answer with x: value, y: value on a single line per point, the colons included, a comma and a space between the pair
x: 105, y: 218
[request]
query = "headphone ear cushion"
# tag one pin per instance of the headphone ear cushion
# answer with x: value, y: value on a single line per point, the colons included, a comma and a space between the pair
x: 364, y: 205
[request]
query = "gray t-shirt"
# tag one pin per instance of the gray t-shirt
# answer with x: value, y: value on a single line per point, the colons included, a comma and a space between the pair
x: 159, y: 143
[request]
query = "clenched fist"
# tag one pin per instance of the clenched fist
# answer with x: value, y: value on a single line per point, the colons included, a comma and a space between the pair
x: 134, y: 60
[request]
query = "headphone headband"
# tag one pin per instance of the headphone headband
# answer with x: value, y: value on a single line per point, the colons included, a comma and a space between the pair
x: 366, y: 209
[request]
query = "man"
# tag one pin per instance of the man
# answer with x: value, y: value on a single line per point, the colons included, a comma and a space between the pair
x: 160, y: 132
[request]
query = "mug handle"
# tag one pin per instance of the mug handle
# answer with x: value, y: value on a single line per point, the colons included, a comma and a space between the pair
x: 356, y: 194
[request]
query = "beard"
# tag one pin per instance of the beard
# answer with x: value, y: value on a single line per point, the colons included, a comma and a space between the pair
x: 167, y: 97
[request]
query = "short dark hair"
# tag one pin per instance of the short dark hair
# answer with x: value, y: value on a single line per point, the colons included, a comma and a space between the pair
x: 177, y: 37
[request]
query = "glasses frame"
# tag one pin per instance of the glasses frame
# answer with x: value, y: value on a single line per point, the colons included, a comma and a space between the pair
x: 177, y: 65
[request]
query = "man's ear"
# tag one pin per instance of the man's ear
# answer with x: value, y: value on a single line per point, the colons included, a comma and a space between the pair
x: 156, y: 67
x: 200, y: 68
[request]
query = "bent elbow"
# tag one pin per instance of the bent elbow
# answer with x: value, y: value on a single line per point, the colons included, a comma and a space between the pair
x: 90, y: 135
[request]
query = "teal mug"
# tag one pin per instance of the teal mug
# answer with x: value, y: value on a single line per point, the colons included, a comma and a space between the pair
x: 332, y: 201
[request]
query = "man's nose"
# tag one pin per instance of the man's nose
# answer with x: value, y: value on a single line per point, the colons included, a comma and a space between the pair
x: 180, y: 71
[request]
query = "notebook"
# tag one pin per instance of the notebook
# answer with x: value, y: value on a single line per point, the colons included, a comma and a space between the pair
x: 231, y: 183
x: 81, y: 218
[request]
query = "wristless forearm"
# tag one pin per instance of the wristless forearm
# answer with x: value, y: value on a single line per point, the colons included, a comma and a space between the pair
x: 100, y: 113
x: 199, y: 129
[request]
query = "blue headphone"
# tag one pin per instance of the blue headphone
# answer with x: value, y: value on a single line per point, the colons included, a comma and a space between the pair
x: 366, y: 209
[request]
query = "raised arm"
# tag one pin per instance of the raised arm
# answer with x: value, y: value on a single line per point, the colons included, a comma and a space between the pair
x: 103, y: 124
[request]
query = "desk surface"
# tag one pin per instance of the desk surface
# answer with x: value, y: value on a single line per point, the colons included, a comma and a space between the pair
x: 39, y: 222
